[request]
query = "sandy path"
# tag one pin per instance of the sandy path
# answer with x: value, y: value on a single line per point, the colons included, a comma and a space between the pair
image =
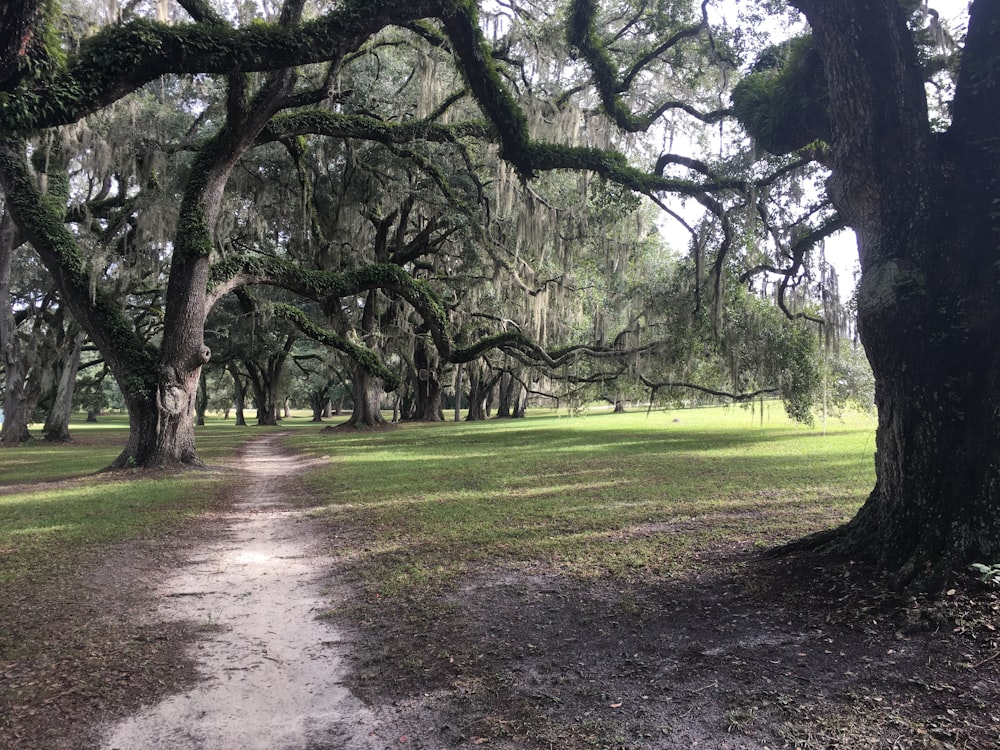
x: 274, y: 672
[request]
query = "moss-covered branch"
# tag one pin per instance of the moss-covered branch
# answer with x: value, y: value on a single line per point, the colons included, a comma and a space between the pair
x: 324, y: 286
x: 362, y: 355
x: 530, y: 157
x: 363, y: 127
x: 41, y: 221
x: 121, y: 58
x: 581, y: 33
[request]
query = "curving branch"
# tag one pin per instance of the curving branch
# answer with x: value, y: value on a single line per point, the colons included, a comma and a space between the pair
x: 790, y: 273
x: 322, y: 286
x: 120, y: 59
x: 202, y: 12
x: 581, y: 32
x: 362, y: 355
x: 736, y: 397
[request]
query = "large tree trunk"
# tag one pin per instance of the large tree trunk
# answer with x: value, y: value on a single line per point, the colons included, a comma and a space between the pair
x: 367, y: 391
x: 478, y: 392
x: 458, y: 390
x: 510, y: 389
x: 924, y: 208
x: 366, y: 388
x: 318, y: 402
x: 16, y: 416
x: 201, y: 401
x: 266, y: 381
x: 426, y: 404
x: 263, y: 395
x: 239, y: 395
x: 481, y: 387
x: 56, y: 428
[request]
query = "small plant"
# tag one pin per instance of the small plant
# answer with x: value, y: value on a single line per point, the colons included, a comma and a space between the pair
x: 988, y: 574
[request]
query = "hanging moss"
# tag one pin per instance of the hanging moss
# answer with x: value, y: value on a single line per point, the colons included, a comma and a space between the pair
x: 41, y: 219
x: 476, y: 61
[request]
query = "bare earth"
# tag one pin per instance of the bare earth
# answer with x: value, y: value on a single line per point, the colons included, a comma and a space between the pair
x: 253, y: 630
x: 274, y: 672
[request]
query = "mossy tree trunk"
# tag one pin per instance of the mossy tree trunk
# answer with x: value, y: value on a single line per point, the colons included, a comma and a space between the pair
x: 56, y: 429
x: 367, y: 394
x: 365, y: 387
x: 15, y: 418
x: 426, y: 406
x: 925, y: 208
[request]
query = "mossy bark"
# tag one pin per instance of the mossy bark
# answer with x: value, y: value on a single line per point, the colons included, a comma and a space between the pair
x: 367, y: 393
x: 365, y: 387
x: 925, y: 210
x: 56, y: 429
x: 15, y: 418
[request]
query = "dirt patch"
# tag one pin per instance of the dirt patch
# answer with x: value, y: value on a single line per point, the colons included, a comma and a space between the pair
x: 273, y: 674
x: 76, y: 644
x: 748, y: 654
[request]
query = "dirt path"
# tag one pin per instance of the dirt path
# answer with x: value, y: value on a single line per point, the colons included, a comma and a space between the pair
x: 273, y: 670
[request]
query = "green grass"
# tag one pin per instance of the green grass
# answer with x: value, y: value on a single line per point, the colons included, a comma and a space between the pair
x: 95, y: 445
x: 59, y: 504
x: 623, y: 495
x: 603, y: 495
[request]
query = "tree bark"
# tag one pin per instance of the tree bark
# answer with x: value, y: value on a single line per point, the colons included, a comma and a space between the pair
x: 506, y: 402
x: 15, y: 417
x: 426, y: 406
x: 239, y: 395
x: 201, y: 400
x: 367, y: 392
x: 263, y: 394
x: 478, y: 391
x: 318, y: 401
x: 481, y: 387
x: 924, y: 209
x: 56, y: 428
x: 366, y: 388
x: 458, y: 391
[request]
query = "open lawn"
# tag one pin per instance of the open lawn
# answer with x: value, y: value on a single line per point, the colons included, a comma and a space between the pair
x: 620, y: 495
x: 586, y: 582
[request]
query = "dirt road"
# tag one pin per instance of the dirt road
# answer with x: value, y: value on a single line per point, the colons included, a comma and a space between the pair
x: 273, y: 671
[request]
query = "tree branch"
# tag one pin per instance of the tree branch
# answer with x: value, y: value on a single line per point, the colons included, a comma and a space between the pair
x: 121, y: 58
x: 737, y: 397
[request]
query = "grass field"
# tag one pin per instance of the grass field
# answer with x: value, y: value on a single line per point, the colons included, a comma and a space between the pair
x: 53, y: 502
x: 581, y: 493
x: 585, y: 494
x: 579, y: 582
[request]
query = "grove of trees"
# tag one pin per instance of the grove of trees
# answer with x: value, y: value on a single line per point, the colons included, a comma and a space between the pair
x: 408, y: 197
